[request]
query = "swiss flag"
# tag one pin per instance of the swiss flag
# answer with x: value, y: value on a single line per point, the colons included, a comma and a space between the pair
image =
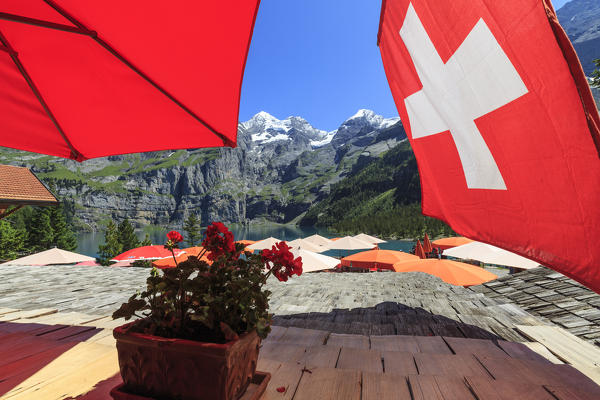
x: 502, y: 123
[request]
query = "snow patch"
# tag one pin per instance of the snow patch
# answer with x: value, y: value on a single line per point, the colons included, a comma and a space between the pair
x: 372, y: 119
x: 326, y: 140
x: 387, y: 122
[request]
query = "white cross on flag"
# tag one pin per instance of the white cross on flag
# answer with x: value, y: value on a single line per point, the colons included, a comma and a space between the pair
x: 502, y: 123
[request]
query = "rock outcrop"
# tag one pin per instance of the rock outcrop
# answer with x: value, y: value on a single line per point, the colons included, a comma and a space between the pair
x: 278, y: 170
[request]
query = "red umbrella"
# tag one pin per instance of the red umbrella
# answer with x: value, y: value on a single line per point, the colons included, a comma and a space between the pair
x: 85, y: 79
x: 154, y: 252
x: 419, y: 250
x: 427, y: 244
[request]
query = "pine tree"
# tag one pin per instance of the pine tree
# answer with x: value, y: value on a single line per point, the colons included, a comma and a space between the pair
x: 127, y: 236
x: 146, y: 241
x: 41, y: 235
x: 111, y: 246
x: 12, y: 240
x: 192, y: 229
x: 63, y: 236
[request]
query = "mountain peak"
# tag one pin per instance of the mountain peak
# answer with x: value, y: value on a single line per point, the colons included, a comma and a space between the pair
x: 363, y: 113
x: 262, y: 116
x: 265, y: 128
x: 371, y: 118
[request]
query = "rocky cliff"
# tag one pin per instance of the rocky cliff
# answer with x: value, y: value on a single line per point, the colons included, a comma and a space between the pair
x: 278, y: 170
x: 581, y: 21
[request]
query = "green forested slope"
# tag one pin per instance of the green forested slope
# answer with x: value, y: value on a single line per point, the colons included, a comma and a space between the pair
x: 381, y: 198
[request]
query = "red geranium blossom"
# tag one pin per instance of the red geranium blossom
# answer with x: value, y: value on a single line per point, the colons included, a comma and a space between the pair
x: 218, y: 241
x: 281, y: 261
x: 175, y: 237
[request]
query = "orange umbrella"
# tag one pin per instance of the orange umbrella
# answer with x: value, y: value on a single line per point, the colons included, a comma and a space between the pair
x: 419, y: 250
x: 453, y: 272
x: 449, y: 242
x: 334, y: 239
x: 427, y: 244
x: 383, y: 259
x: 170, y: 263
x: 246, y: 242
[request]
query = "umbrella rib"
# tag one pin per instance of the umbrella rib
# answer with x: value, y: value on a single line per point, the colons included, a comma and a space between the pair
x: 226, y: 141
x: 15, y: 57
x: 44, y: 24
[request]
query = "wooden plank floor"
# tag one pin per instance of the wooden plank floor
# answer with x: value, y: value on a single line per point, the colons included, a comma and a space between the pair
x: 45, y: 356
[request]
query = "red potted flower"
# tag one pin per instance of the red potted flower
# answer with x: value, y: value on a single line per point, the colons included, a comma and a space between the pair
x: 199, y: 325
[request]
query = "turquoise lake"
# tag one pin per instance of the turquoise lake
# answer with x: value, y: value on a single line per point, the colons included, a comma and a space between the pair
x: 88, y: 242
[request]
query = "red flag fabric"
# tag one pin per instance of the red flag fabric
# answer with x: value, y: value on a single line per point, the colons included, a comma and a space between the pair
x: 503, y: 129
x: 84, y: 79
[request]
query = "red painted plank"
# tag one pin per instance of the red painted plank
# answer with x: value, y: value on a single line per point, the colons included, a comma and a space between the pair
x: 24, y: 347
x: 101, y: 390
x: 70, y: 332
x: 12, y: 374
x: 12, y: 327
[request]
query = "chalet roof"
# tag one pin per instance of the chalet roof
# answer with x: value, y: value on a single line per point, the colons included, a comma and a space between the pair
x: 20, y: 186
x: 552, y: 297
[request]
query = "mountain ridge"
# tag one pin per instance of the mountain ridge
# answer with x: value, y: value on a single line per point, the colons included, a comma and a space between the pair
x: 260, y: 180
x: 581, y: 21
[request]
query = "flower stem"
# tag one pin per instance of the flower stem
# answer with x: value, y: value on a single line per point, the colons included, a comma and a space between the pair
x: 174, y: 259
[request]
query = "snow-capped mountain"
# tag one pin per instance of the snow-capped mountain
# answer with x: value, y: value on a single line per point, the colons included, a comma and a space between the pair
x: 265, y: 128
x: 279, y: 169
x: 369, y: 118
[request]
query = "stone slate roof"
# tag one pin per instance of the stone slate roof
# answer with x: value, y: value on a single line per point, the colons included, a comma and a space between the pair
x: 382, y: 303
x: 389, y: 303
x: 19, y: 186
x: 368, y: 304
x: 552, y: 297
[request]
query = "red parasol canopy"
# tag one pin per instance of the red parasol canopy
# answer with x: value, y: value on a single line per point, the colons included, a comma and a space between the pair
x: 154, y: 252
x: 87, y: 79
x: 427, y: 244
x: 419, y: 250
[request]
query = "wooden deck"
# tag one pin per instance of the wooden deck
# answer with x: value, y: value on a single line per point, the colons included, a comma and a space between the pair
x: 49, y: 355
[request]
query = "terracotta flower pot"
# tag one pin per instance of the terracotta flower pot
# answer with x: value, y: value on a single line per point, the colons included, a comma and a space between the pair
x: 184, y: 369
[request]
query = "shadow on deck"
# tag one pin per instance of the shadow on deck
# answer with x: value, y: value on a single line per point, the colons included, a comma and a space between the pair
x: 387, y: 318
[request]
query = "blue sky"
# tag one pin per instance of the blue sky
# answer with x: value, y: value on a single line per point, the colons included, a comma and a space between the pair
x: 317, y: 59
x: 559, y: 3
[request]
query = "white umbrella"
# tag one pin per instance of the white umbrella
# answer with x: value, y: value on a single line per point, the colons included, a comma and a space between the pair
x: 349, y: 243
x: 369, y: 239
x: 49, y: 257
x: 306, y: 245
x: 263, y: 244
x: 489, y: 254
x: 315, y: 262
x: 318, y: 240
